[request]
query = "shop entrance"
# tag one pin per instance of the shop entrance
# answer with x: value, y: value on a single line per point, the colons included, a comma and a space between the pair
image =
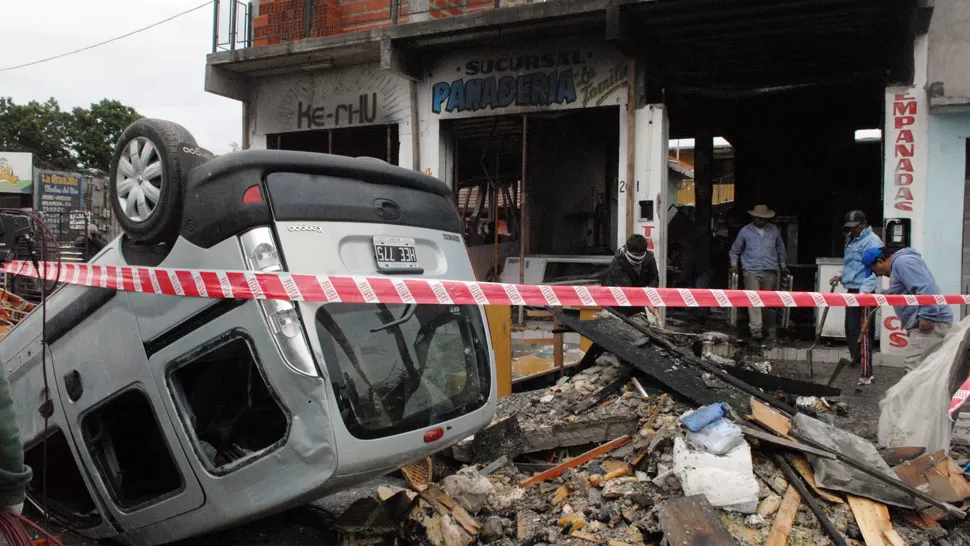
x: 810, y: 154
x: 380, y: 141
x: 563, y: 164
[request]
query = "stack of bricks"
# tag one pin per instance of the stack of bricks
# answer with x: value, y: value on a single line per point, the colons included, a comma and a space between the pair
x: 327, y: 18
x: 365, y: 14
x: 283, y: 20
x: 278, y: 21
x: 452, y: 8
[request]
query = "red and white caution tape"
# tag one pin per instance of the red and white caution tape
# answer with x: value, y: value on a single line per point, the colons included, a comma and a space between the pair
x: 349, y: 289
x: 959, y: 397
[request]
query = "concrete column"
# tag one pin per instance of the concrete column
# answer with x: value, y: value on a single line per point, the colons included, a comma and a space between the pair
x: 651, y: 197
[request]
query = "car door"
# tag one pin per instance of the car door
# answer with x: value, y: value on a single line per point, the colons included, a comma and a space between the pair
x: 113, y: 407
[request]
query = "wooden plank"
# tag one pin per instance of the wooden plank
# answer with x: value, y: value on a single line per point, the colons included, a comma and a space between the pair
x: 575, y: 462
x: 778, y: 441
x: 808, y: 473
x: 500, y: 327
x: 692, y: 521
x: 893, y: 538
x: 770, y: 418
x: 937, y: 474
x: 785, y: 518
x: 873, y: 520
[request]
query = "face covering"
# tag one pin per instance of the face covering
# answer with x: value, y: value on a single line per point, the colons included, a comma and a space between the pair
x: 635, y: 260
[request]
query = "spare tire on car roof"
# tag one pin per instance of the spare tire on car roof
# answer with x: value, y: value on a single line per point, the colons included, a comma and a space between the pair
x: 147, y: 178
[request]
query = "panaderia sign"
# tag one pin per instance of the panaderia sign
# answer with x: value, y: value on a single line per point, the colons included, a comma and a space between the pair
x: 505, y: 81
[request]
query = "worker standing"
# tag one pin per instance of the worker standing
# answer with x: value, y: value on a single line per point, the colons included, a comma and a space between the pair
x: 635, y: 266
x: 759, y: 253
x: 925, y: 325
x: 856, y: 279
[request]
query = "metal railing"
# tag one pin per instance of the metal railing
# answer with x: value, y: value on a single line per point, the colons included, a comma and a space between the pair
x: 238, y: 18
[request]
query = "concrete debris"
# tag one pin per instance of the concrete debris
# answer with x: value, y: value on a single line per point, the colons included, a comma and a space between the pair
x: 469, y: 488
x: 627, y: 471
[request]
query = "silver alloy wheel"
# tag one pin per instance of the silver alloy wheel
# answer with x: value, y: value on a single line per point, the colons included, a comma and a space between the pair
x: 139, y: 179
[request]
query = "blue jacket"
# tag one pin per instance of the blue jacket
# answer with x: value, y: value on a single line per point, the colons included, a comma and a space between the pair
x: 759, y: 252
x: 854, y: 272
x: 909, y: 275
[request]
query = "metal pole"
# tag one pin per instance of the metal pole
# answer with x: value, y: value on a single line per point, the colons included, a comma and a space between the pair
x: 523, y: 213
x: 233, y: 10
x: 330, y: 141
x: 215, y: 26
x: 233, y: 7
x: 388, y: 143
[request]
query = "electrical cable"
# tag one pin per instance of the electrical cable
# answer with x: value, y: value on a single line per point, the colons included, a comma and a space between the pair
x: 115, y: 39
x: 12, y: 524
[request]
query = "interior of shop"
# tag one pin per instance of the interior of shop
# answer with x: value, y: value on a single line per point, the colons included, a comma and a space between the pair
x: 569, y: 173
x: 380, y: 141
x: 800, y: 152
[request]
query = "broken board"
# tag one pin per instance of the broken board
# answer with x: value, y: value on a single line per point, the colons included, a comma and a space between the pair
x: 936, y: 474
x: 776, y: 383
x: 619, y: 339
x: 692, y: 521
x: 781, y: 528
x: 873, y: 520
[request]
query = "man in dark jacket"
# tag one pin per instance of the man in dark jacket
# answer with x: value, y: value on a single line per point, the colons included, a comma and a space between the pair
x: 633, y: 266
x: 90, y: 244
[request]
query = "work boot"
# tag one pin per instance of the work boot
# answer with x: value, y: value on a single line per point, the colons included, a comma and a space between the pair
x: 772, y: 339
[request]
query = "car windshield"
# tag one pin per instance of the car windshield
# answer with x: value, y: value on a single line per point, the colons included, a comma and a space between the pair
x: 397, y: 368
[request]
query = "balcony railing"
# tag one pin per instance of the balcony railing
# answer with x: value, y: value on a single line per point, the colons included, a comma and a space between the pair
x: 239, y: 25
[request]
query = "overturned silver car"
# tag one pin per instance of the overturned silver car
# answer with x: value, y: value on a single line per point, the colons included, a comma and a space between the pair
x: 168, y: 417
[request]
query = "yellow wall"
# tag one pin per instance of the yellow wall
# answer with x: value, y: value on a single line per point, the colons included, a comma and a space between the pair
x: 723, y: 193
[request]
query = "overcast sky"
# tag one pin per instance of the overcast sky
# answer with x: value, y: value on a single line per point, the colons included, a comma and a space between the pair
x: 159, y: 72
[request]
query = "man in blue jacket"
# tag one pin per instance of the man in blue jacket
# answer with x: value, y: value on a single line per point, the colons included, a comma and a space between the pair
x: 926, y: 325
x: 855, y: 279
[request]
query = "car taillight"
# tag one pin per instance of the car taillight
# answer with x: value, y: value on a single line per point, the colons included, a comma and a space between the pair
x: 282, y: 317
x: 253, y: 195
x: 433, y: 435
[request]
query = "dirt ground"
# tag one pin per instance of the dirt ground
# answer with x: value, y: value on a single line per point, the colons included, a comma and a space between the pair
x: 314, y: 524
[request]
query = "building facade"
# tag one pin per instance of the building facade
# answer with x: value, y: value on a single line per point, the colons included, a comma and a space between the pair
x: 561, y: 111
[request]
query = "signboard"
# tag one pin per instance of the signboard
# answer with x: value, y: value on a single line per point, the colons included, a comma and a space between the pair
x: 332, y: 99
x: 58, y: 192
x: 16, y: 172
x: 904, y: 186
x: 495, y: 81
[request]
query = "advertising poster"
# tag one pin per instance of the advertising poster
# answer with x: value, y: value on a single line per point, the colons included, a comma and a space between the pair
x: 16, y: 172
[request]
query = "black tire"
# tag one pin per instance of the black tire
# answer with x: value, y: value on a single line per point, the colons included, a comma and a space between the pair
x: 143, y: 222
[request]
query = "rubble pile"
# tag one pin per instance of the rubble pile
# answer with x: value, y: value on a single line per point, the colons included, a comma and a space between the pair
x: 608, y: 456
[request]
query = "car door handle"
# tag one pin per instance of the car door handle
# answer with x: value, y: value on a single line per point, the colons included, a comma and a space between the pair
x: 73, y: 386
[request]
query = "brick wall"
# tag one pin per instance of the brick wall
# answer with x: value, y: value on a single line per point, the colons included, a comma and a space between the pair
x: 283, y: 20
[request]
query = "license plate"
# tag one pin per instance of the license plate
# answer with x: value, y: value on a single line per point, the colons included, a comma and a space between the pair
x: 395, y: 253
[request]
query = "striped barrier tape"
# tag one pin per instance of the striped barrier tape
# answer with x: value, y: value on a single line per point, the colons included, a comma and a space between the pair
x: 350, y: 289
x: 959, y: 397
x: 390, y: 290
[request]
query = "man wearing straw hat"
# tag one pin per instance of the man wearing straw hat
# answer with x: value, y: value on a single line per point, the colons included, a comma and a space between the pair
x: 760, y: 254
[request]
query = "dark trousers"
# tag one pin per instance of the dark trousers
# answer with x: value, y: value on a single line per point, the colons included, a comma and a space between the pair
x: 861, y: 353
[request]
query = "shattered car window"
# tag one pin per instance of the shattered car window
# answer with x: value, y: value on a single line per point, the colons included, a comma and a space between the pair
x: 397, y: 368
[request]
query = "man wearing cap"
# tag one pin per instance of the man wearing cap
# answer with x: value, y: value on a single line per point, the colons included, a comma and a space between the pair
x: 760, y: 253
x: 855, y: 279
x: 926, y: 325
x: 634, y: 266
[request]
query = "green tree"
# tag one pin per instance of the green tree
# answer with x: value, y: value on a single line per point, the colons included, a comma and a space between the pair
x: 95, y: 131
x: 40, y: 128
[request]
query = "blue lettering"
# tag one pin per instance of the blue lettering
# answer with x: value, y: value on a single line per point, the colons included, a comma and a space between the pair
x: 506, y: 91
x: 489, y: 94
x: 473, y: 94
x: 440, y: 95
x: 567, y: 87
x: 456, y: 100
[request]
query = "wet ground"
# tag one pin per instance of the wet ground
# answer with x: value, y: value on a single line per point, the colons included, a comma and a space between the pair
x: 314, y: 524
